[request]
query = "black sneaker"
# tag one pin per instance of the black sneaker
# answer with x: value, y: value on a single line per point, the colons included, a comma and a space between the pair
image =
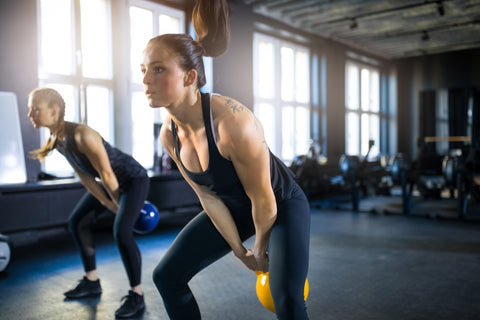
x: 133, y: 304
x: 85, y: 288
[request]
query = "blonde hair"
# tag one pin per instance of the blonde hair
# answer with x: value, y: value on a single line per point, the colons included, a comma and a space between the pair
x: 51, y: 97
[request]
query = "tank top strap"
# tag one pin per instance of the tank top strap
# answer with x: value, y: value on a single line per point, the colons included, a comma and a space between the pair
x: 209, y: 130
x: 208, y: 120
x: 175, y: 139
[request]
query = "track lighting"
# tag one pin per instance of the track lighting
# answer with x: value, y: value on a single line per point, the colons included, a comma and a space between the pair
x: 425, y: 36
x: 353, y: 24
x: 440, y: 8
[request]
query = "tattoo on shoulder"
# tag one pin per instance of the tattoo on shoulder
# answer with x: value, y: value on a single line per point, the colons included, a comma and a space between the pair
x: 255, y: 122
x: 235, y: 106
x: 265, y: 144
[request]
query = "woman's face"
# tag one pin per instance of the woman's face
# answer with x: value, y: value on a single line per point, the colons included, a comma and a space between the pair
x: 163, y: 78
x: 40, y: 114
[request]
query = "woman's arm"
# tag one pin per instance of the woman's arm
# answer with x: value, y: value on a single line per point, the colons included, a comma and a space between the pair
x: 215, y: 208
x: 242, y: 140
x: 90, y: 143
x: 223, y: 221
x: 95, y: 189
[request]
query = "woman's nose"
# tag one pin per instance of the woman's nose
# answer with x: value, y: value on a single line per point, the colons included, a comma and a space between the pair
x: 146, y: 77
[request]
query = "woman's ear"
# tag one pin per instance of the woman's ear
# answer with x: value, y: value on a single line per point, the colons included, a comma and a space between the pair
x: 55, y: 110
x: 190, y: 77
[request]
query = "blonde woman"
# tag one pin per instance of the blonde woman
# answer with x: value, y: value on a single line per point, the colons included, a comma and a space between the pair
x: 122, y: 189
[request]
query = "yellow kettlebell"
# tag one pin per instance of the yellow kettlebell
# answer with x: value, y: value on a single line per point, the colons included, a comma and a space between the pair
x: 265, y: 295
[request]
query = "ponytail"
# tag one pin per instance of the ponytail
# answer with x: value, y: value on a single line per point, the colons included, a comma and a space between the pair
x: 210, y: 21
x: 52, y: 97
x: 41, y: 153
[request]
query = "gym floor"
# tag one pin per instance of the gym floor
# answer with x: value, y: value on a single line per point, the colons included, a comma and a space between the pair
x: 363, y: 266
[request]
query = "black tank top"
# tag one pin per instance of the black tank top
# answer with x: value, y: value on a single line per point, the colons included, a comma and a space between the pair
x: 221, y: 177
x: 124, y: 166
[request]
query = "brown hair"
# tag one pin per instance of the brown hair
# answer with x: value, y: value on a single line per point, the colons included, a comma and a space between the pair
x: 51, y: 97
x: 210, y: 21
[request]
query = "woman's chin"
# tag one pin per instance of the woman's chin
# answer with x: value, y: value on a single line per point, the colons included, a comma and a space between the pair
x: 154, y: 105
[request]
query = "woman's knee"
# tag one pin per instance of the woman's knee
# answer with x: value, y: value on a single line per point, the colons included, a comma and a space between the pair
x: 74, y: 224
x: 163, y: 277
x: 157, y: 274
x: 123, y: 229
x: 123, y: 237
x: 290, y: 307
x: 71, y: 225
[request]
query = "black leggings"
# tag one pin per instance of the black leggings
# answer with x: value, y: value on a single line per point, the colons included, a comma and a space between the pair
x: 199, y: 244
x: 83, y: 219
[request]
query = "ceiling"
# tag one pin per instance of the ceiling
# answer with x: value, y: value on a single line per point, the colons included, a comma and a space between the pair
x: 390, y: 28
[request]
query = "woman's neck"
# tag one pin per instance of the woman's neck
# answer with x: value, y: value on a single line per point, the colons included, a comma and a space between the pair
x: 58, y: 130
x: 188, y: 115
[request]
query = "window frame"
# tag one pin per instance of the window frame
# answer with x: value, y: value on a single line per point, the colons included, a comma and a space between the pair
x: 136, y: 88
x: 276, y: 100
x: 77, y: 81
x: 360, y: 112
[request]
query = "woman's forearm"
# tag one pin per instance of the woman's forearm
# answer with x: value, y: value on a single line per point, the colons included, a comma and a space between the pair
x: 264, y: 217
x: 95, y: 188
x: 224, y: 223
x: 110, y: 183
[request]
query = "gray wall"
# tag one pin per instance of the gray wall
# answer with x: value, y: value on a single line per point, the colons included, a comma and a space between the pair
x: 18, y: 65
x: 441, y: 71
x: 232, y: 71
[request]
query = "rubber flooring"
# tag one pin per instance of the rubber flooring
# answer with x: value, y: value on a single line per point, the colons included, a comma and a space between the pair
x: 362, y: 266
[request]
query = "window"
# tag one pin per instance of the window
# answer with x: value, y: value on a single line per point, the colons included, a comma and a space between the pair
x: 441, y: 115
x: 362, y: 119
x: 470, y: 117
x: 282, y: 94
x: 76, y: 59
x: 147, y: 20
x: 389, y: 125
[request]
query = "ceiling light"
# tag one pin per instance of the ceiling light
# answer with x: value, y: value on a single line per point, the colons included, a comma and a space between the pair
x: 353, y: 24
x: 425, y: 36
x: 440, y: 8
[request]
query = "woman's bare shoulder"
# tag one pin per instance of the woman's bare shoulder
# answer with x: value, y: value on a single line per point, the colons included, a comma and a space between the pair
x: 228, y: 106
x: 86, y: 136
x: 235, y: 124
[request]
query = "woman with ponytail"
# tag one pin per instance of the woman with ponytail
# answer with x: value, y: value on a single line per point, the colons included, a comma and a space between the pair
x: 122, y: 189
x: 220, y: 149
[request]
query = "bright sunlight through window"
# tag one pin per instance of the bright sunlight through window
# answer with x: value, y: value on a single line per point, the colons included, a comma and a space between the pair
x: 147, y: 20
x: 283, y: 107
x: 81, y: 73
x: 362, y: 120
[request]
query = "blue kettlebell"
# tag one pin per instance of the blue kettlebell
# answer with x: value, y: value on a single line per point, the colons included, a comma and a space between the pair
x: 148, y: 218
